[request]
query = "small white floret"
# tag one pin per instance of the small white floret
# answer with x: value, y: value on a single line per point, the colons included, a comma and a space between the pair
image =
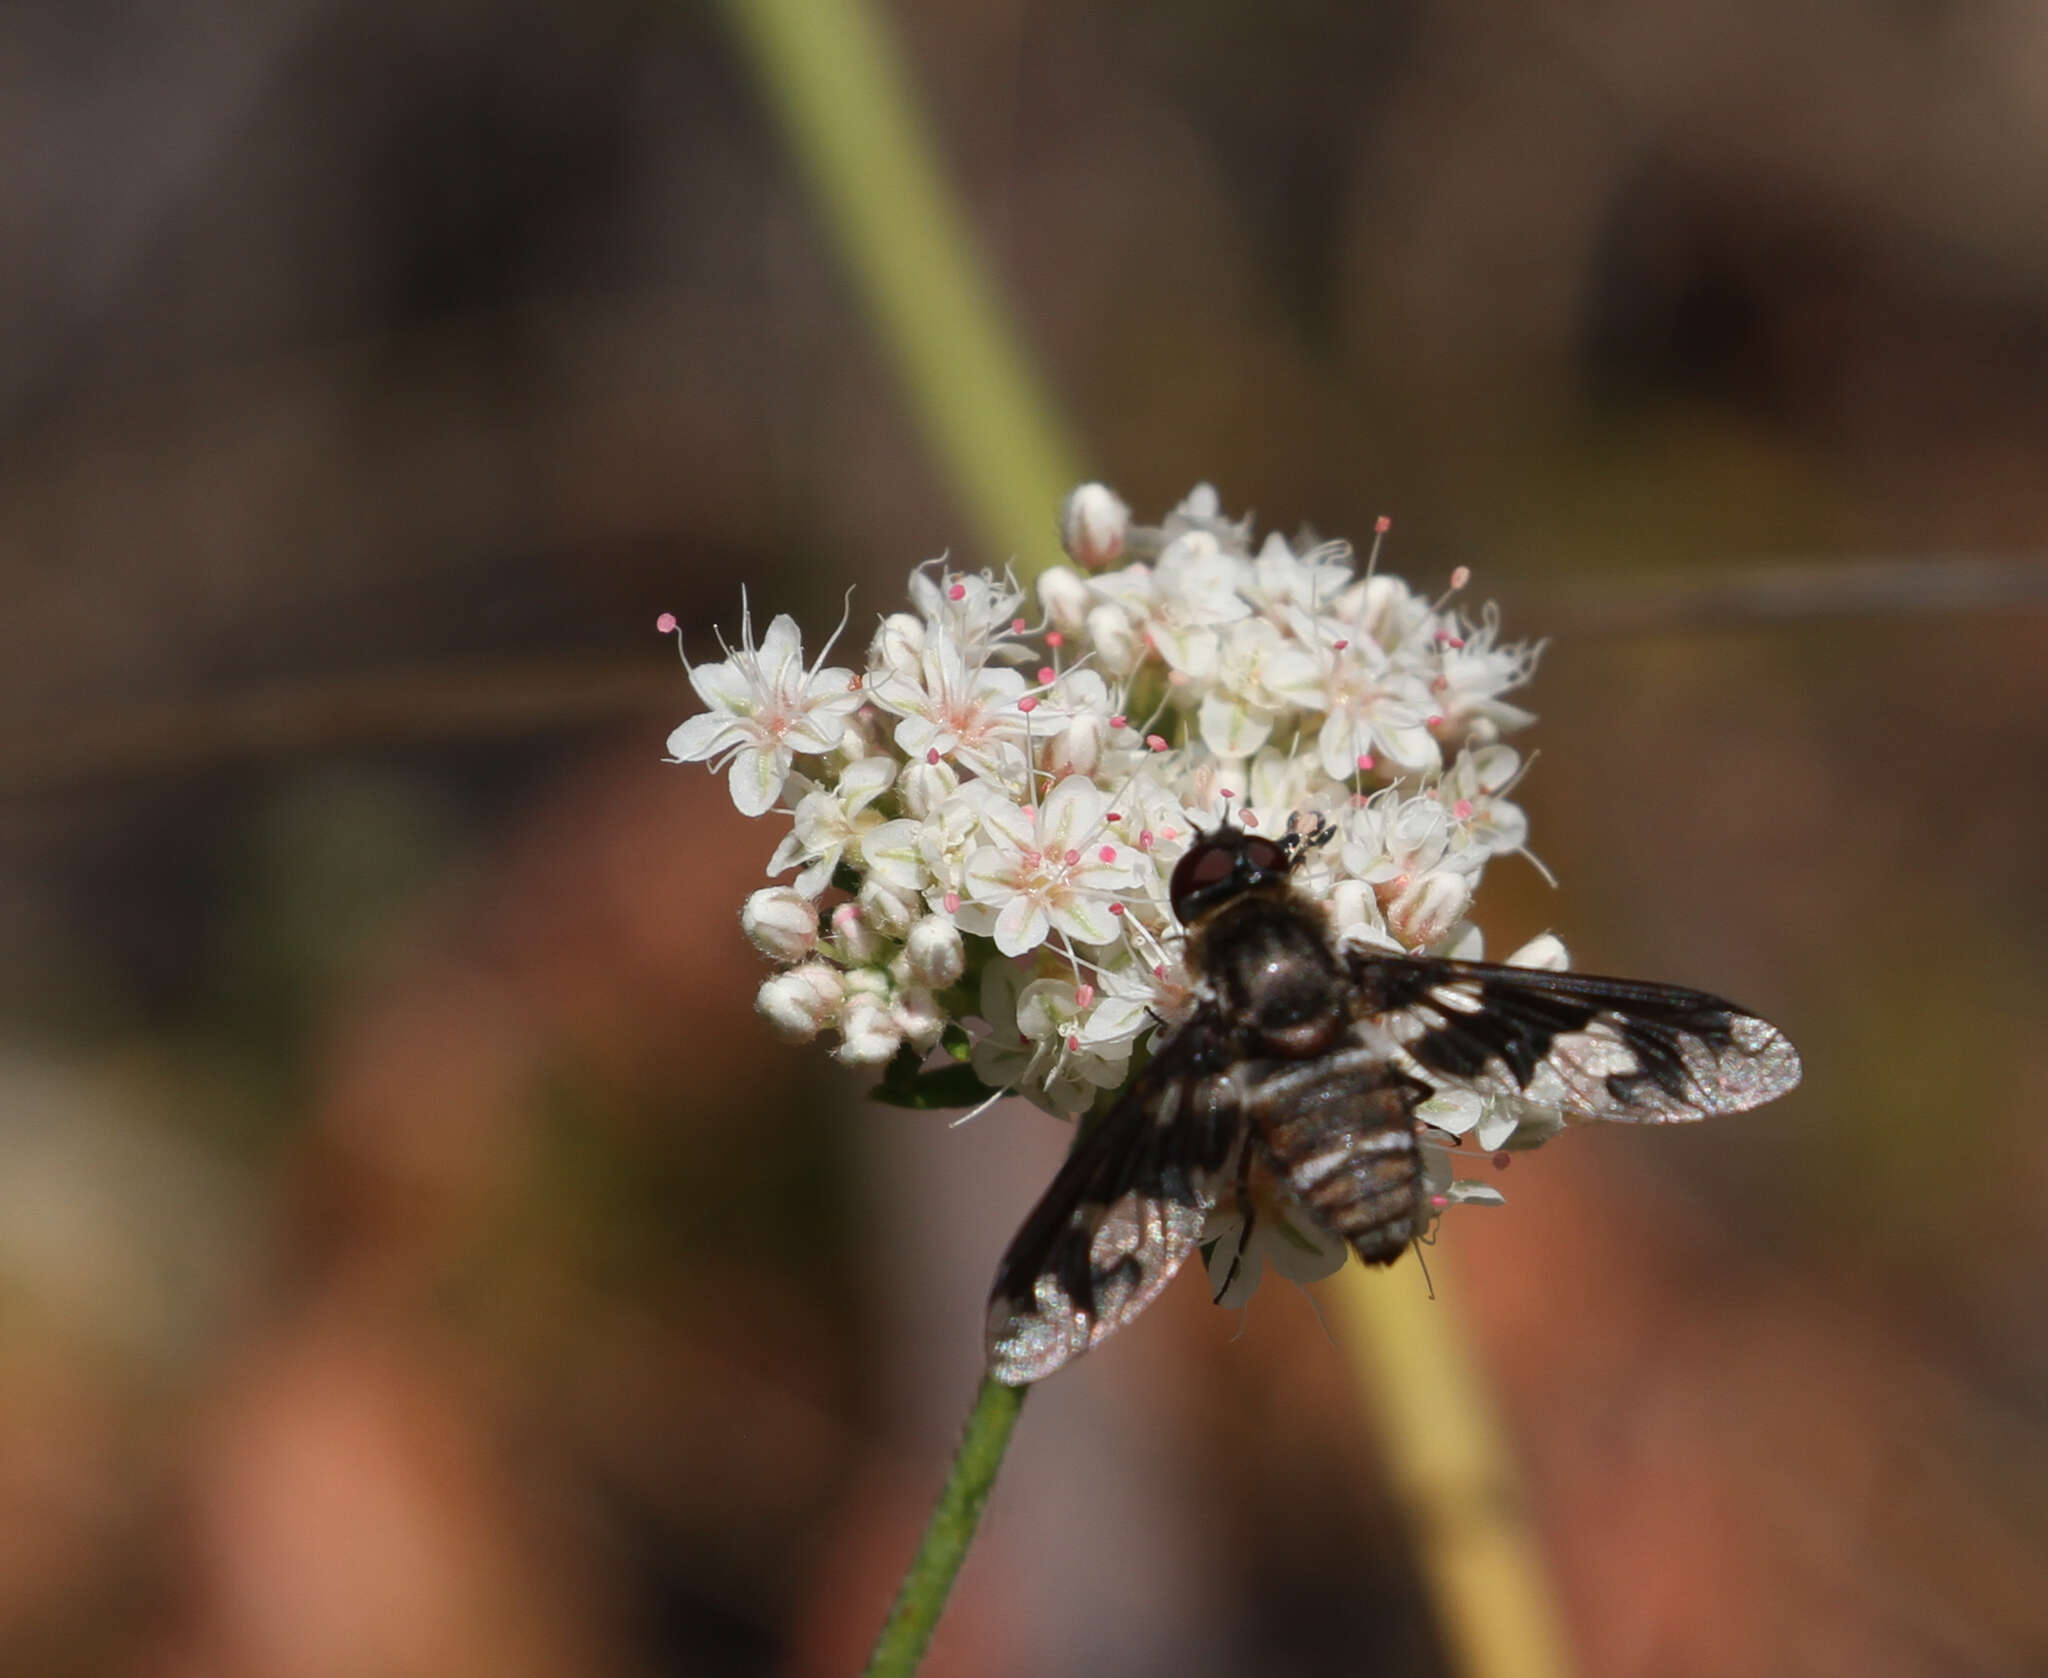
x: 936, y: 952
x: 801, y: 1002
x: 781, y: 922
x: 868, y: 1031
x: 1094, y: 525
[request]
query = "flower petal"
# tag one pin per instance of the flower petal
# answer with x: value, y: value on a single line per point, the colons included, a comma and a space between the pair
x: 782, y: 654
x: 705, y: 736
x: 1086, y: 919
x: 1230, y: 728
x: 726, y: 687
x: 756, y: 779
x: 1021, y: 926
x: 1071, y: 815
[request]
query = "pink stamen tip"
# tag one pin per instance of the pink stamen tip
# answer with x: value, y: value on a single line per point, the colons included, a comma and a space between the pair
x: 1365, y: 760
x: 1033, y: 858
x: 1382, y: 524
x: 1156, y: 741
x: 1107, y: 853
x: 1437, y: 721
x: 1119, y: 721
x: 1251, y: 818
x: 1027, y: 705
x: 1169, y: 834
x: 1462, y: 809
x: 1047, y: 675
x: 932, y: 755
x: 1439, y: 1201
x: 1116, y: 908
x: 1073, y: 1044
x: 1084, y: 996
x: 1016, y: 626
x: 952, y: 902
x: 666, y: 623
x: 1073, y: 857
x: 1339, y: 646
x: 1114, y: 816
x: 1145, y: 840
x: 1053, y: 638
x: 1159, y: 972
x: 1502, y: 1160
x: 957, y: 592
x: 1461, y: 576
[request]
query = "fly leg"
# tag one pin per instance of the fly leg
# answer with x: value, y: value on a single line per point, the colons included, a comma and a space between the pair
x: 1245, y: 1211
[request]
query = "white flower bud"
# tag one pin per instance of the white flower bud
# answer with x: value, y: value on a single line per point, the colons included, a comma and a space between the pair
x: 859, y: 740
x: 781, y: 922
x: 1428, y: 909
x: 801, y: 1002
x: 917, y: 1014
x: 1063, y: 595
x: 1384, y: 602
x: 936, y: 952
x: 859, y: 942
x: 923, y: 787
x: 1118, y: 646
x: 1355, y: 913
x: 888, y: 909
x: 868, y: 1035
x: 899, y: 641
x: 870, y: 981
x: 1077, y: 748
x: 1545, y: 951
x: 1093, y: 525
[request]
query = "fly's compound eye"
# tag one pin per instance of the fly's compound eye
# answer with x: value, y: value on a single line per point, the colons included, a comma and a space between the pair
x: 1266, y: 856
x: 1209, y: 863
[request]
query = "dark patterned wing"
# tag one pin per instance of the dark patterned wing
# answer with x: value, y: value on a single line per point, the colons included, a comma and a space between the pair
x: 1596, y: 1048
x: 1123, y: 1213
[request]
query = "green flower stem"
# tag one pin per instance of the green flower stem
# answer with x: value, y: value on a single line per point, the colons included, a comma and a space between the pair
x: 836, y: 82
x: 937, y: 1563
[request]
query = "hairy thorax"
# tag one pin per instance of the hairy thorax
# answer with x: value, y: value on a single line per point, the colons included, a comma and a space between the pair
x: 1269, y: 958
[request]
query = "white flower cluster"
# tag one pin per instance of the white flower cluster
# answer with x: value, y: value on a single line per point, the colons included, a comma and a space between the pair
x: 985, y: 816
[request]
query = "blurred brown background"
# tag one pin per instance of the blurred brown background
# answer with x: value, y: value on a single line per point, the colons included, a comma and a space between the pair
x: 416, y: 1259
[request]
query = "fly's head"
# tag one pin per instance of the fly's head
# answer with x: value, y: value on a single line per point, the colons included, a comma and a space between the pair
x: 1227, y: 862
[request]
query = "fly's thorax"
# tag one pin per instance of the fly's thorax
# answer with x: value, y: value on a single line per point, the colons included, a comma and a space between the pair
x: 1267, y: 953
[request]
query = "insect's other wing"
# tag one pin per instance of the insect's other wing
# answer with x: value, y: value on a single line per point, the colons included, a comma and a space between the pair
x: 1596, y: 1048
x: 1124, y: 1211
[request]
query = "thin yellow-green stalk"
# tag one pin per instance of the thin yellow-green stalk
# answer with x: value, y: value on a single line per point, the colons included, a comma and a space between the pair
x: 929, y: 1582
x: 836, y: 81
x: 1452, y: 1472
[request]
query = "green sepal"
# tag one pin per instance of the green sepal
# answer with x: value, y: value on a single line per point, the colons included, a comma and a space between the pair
x: 906, y: 1083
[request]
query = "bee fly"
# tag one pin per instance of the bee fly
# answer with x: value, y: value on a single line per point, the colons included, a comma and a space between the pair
x: 1312, y: 1057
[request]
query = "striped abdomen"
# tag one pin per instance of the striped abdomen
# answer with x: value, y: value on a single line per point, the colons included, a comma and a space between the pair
x: 1340, y: 1129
